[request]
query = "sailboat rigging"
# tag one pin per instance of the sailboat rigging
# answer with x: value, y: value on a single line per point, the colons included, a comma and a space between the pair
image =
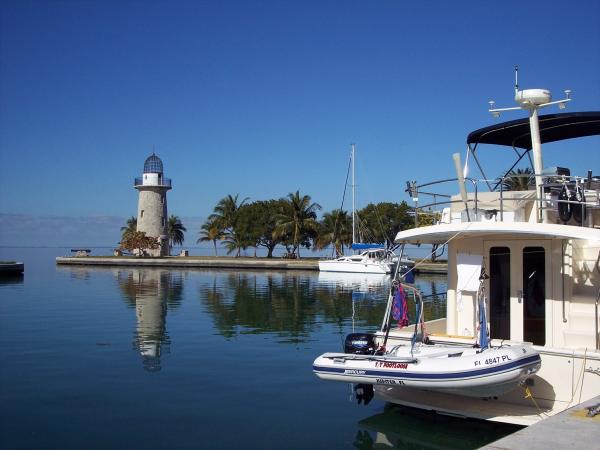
x: 375, y: 258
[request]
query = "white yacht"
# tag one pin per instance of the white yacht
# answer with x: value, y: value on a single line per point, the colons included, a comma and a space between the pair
x: 535, y: 254
x: 375, y: 260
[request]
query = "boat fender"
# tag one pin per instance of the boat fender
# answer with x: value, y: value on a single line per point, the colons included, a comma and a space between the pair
x: 578, y: 210
x: 364, y: 393
x: 564, y: 209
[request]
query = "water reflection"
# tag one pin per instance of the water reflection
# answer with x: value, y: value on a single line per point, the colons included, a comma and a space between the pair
x: 292, y: 305
x: 151, y: 293
x: 359, y: 282
x: 80, y: 273
x: 400, y: 427
x: 11, y: 278
x: 289, y: 305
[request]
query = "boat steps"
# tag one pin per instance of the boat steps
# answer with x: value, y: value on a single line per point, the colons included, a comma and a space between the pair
x: 579, y: 320
x: 582, y: 304
x: 577, y: 338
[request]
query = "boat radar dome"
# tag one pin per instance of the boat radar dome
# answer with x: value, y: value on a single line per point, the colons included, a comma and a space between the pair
x: 153, y: 164
x: 533, y: 97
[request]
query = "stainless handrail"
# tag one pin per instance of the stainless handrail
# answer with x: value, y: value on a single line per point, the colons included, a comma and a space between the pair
x: 540, y: 197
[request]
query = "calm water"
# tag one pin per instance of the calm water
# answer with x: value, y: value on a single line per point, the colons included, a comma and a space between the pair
x: 149, y: 358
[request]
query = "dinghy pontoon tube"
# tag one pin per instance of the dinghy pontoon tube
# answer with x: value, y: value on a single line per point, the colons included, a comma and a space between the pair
x: 480, y: 371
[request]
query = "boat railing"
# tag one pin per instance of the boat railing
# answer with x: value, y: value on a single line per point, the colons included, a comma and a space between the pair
x: 557, y: 191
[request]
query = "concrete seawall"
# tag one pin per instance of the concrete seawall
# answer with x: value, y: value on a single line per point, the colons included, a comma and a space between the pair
x: 217, y: 262
x: 194, y: 262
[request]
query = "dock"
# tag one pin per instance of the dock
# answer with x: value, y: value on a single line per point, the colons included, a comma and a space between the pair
x: 429, y: 267
x: 572, y: 429
x: 217, y: 262
x: 189, y: 262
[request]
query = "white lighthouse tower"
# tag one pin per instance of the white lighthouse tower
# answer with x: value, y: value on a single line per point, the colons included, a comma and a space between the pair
x: 152, y: 204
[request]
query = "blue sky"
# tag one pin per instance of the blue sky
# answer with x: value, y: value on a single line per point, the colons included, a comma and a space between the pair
x: 262, y: 98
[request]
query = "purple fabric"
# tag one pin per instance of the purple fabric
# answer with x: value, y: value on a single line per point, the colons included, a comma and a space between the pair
x: 399, y: 307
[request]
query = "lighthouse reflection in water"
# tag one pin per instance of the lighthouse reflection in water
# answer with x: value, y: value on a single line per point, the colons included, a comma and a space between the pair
x: 152, y: 293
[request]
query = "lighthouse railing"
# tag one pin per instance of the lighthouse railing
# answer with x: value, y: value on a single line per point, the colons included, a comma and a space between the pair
x: 139, y: 181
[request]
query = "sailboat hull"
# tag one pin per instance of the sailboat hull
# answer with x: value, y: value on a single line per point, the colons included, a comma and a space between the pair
x: 347, y: 265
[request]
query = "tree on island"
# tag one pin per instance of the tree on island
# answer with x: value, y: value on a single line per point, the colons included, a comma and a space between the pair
x: 175, y: 230
x: 292, y: 222
x: 226, y: 212
x: 380, y: 223
x: 298, y: 221
x: 225, y: 221
x: 209, y: 231
x: 334, y: 229
x: 137, y: 242
x: 130, y: 226
x: 257, y: 222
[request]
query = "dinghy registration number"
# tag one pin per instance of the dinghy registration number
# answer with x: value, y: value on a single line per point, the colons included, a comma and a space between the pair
x: 494, y: 360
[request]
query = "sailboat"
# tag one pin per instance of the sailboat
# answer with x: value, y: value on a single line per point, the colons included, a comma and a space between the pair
x: 375, y: 258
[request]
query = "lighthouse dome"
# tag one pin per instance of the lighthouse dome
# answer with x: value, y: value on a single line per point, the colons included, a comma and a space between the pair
x: 153, y: 164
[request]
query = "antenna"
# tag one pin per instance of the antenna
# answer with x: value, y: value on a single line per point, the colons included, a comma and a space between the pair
x: 533, y: 100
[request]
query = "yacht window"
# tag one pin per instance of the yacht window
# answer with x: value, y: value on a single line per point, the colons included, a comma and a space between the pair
x: 534, y: 295
x: 500, y: 292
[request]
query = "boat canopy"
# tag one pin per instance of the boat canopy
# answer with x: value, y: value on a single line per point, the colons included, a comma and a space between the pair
x: 440, y: 234
x: 553, y: 127
x: 361, y: 246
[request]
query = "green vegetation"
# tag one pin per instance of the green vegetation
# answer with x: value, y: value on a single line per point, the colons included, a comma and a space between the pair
x: 138, y: 241
x: 292, y: 222
x: 519, y: 180
x: 175, y: 230
x: 130, y: 227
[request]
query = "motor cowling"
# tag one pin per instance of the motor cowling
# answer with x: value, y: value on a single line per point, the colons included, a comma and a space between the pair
x: 360, y: 344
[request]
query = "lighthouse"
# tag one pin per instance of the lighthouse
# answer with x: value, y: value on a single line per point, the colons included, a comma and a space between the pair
x: 152, y: 204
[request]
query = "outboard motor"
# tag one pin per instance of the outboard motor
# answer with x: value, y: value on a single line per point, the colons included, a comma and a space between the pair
x: 360, y: 344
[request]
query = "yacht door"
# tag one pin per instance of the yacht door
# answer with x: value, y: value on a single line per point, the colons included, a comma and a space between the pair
x: 518, y: 287
x: 498, y: 267
x: 534, y: 289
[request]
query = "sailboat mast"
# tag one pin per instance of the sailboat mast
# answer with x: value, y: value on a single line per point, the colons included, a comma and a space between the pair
x: 353, y: 199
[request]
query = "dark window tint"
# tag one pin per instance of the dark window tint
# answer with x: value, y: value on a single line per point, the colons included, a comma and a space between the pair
x: 534, y: 295
x: 500, y: 292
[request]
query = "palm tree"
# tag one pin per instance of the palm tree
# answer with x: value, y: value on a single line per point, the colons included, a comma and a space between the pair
x: 336, y: 229
x: 209, y: 231
x: 235, y: 242
x: 130, y: 227
x: 226, y: 211
x: 298, y: 219
x: 175, y: 231
x: 521, y: 180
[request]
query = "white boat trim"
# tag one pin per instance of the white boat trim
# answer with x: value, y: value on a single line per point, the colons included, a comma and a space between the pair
x: 442, y: 233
